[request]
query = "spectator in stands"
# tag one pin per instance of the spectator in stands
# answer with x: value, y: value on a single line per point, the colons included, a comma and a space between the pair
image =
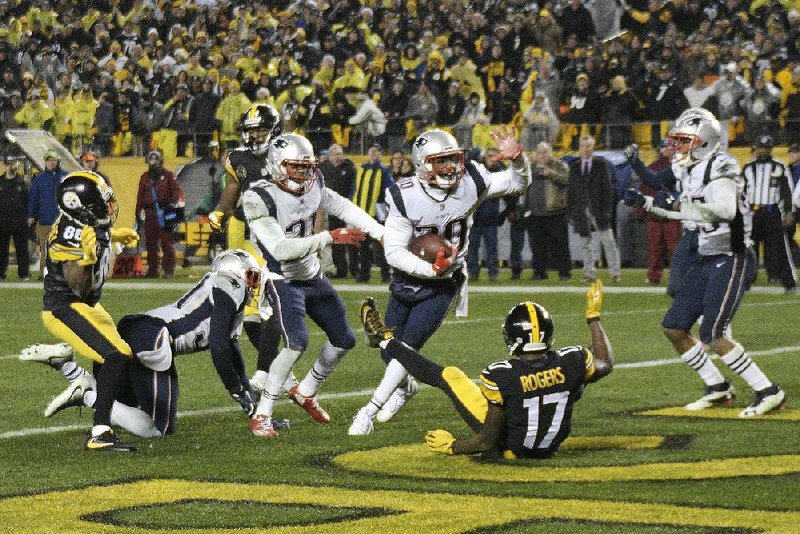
x: 761, y: 109
x: 473, y: 114
x: 36, y: 114
x: 576, y: 20
x: 228, y: 113
x: 583, y: 107
x: 177, y: 111
x: 540, y: 123
x: 422, y: 108
x: 394, y: 104
x: 42, y: 204
x: 451, y: 106
x: 620, y: 109
x: 159, y: 203
x: 340, y: 176
x: 730, y: 92
x: 503, y: 104
x: 105, y: 124
x: 368, y: 119
x: 13, y: 215
x: 591, y: 204
x: 201, y: 117
x: 546, y: 31
x: 663, y: 101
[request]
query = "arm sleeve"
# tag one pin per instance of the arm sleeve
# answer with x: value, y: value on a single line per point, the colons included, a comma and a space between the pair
x: 515, y: 179
x: 224, y: 348
x: 721, y: 209
x: 270, y: 234
x: 657, y: 180
x: 399, y: 232
x: 338, y: 206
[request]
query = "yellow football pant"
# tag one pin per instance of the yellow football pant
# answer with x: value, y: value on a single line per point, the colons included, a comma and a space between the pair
x: 89, y: 330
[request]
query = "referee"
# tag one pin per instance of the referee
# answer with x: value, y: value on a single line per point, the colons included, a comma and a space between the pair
x: 769, y: 192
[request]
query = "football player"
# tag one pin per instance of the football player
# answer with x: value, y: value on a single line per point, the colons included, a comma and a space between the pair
x: 280, y: 213
x: 208, y: 316
x: 712, y: 196
x: 78, y: 255
x: 440, y: 198
x: 259, y: 125
x: 522, y: 406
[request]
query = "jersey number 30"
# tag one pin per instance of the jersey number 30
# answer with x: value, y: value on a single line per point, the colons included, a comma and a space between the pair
x: 534, y: 407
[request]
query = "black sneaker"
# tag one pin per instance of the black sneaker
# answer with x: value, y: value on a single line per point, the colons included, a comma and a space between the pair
x: 107, y: 441
x: 374, y: 329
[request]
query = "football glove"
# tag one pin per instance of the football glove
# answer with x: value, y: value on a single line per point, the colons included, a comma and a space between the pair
x: 507, y: 146
x: 667, y: 200
x: 634, y: 198
x: 631, y: 152
x: 246, y: 399
x: 440, y: 441
x: 442, y: 262
x: 215, y: 220
x: 594, y: 300
x: 127, y: 237
x: 88, y: 246
x: 348, y: 236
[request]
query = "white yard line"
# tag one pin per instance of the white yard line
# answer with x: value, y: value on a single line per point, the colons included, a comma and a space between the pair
x: 361, y: 393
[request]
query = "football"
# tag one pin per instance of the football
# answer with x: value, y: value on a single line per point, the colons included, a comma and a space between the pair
x: 426, y: 246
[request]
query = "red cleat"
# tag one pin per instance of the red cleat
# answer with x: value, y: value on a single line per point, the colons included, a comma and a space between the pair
x: 310, y: 405
x: 261, y: 426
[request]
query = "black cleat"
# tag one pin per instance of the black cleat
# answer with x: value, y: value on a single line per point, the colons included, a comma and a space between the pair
x: 107, y: 441
x: 374, y: 329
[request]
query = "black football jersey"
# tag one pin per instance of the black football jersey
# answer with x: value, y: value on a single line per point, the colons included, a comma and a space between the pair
x: 64, y: 244
x: 537, y: 398
x: 246, y: 168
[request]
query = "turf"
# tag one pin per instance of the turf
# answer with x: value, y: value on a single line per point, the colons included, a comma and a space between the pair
x: 662, y: 473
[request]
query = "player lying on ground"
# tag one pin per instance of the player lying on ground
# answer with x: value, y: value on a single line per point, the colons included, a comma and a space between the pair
x: 208, y: 316
x: 521, y: 407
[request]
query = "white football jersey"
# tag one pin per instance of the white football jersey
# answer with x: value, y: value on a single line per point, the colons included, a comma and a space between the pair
x: 189, y: 319
x: 715, y: 238
x: 413, y: 212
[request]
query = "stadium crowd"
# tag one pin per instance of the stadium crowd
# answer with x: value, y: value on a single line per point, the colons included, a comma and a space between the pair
x: 129, y: 75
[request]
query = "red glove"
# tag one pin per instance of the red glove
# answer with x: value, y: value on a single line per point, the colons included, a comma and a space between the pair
x: 507, y: 146
x: 443, y: 262
x: 348, y: 236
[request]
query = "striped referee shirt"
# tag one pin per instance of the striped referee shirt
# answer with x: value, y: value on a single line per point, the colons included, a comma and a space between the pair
x: 768, y: 184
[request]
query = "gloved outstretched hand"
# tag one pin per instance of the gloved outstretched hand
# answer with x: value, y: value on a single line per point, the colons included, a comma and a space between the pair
x: 348, y: 236
x: 594, y: 300
x: 440, y: 441
x: 507, y: 146
x: 216, y: 219
x: 88, y: 246
x: 127, y: 237
x: 667, y: 200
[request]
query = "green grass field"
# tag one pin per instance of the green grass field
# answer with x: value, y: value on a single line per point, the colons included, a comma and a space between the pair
x: 635, y: 463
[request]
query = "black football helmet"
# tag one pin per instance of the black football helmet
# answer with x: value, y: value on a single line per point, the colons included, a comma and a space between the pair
x: 259, y: 125
x: 87, y: 198
x: 528, y: 328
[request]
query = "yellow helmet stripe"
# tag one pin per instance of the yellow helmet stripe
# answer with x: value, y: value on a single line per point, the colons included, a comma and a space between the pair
x: 253, y: 112
x: 89, y: 175
x: 534, y: 322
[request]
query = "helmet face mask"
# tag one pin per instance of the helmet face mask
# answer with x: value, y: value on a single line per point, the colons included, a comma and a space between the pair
x: 86, y: 198
x: 292, y: 163
x: 528, y: 328
x: 259, y: 125
x: 438, y: 160
x: 695, y: 136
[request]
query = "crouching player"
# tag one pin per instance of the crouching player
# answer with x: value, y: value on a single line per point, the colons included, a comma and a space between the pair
x: 208, y: 316
x: 521, y: 407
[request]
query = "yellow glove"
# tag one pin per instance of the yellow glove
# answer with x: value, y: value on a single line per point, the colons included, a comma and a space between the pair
x: 215, y: 219
x: 594, y: 300
x: 88, y: 246
x: 127, y: 237
x: 440, y: 441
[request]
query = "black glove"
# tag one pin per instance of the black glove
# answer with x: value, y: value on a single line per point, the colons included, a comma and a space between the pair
x: 633, y: 198
x: 246, y: 399
x: 631, y: 152
x: 667, y: 200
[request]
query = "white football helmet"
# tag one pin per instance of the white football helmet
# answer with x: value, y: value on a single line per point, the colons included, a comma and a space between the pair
x: 239, y: 264
x: 695, y: 136
x: 438, y: 159
x: 292, y: 163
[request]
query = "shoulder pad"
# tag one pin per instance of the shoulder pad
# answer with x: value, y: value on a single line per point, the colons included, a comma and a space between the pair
x: 724, y: 166
x: 571, y: 350
x: 257, y: 203
x: 231, y: 285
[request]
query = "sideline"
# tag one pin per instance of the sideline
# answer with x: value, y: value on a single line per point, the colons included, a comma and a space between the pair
x: 361, y: 393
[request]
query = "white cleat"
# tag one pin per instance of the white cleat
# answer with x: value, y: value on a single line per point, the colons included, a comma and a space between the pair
x: 400, y: 396
x: 767, y: 400
x: 51, y: 355
x: 362, y: 424
x: 719, y: 395
x: 72, y: 396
